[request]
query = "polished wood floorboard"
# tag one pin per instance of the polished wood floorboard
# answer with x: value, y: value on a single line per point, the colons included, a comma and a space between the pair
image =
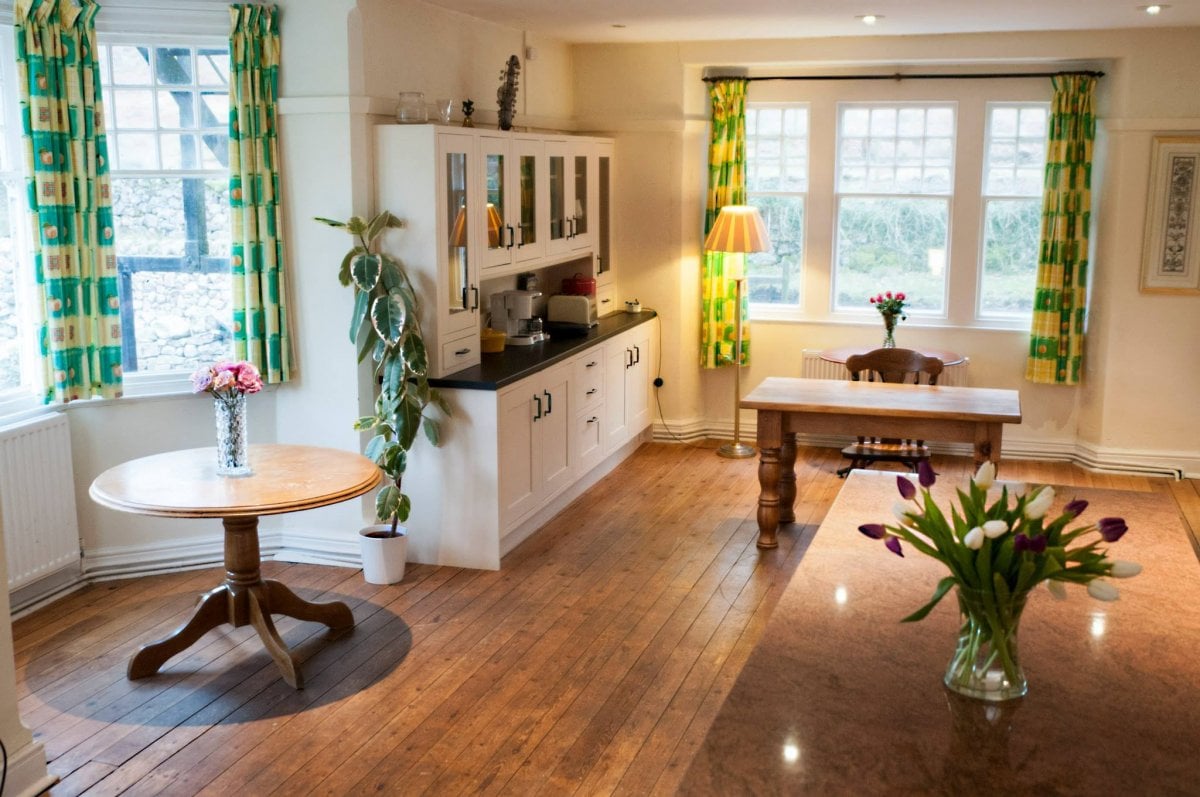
x: 592, y: 663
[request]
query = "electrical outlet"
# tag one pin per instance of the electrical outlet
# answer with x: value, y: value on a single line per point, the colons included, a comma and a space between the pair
x: 658, y: 382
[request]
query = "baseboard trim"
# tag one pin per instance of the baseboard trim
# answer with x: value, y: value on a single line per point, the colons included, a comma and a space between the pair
x: 27, y: 775
x: 315, y: 548
x: 46, y: 590
x: 1101, y: 459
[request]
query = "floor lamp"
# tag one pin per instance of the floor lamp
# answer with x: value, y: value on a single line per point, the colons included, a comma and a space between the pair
x: 739, y: 229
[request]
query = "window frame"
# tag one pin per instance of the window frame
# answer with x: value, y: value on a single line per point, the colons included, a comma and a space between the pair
x: 985, y: 317
x: 948, y: 197
x: 787, y: 310
x: 164, y: 382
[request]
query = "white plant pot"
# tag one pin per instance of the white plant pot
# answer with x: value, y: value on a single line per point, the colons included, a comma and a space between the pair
x: 383, y: 557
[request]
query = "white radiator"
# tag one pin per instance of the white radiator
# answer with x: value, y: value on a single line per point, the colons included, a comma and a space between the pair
x: 813, y: 367
x: 37, y: 500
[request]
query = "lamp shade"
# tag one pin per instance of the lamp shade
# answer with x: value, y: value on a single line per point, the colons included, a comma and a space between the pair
x: 738, y: 228
x: 494, y: 225
x: 458, y: 232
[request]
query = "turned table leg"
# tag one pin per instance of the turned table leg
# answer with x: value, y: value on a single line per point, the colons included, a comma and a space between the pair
x: 787, y: 479
x: 244, y: 599
x: 770, y: 442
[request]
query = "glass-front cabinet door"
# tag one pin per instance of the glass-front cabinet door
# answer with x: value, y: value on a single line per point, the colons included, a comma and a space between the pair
x: 571, y: 217
x: 556, y: 161
x: 498, y: 220
x: 579, y: 213
x: 458, y: 292
x: 603, y: 207
x: 533, y: 208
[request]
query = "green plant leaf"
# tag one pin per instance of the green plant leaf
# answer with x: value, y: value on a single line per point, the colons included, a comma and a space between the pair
x: 375, y: 448
x: 943, y: 587
x: 433, y: 432
x: 357, y: 225
x: 361, y: 298
x: 437, y: 398
x: 392, y: 278
x: 365, y: 268
x: 330, y: 222
x: 387, y: 316
x: 377, y: 225
x: 365, y: 423
x: 403, y: 508
x: 387, y: 503
x: 415, y: 355
x: 393, y: 375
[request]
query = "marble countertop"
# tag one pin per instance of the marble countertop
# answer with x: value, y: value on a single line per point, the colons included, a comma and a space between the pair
x: 839, y: 697
x: 517, y: 362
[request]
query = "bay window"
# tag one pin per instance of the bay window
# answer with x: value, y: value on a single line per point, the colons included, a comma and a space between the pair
x: 777, y: 184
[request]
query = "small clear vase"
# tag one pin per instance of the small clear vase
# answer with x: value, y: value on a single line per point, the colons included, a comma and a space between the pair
x: 232, y: 457
x: 987, y: 663
x: 889, y: 326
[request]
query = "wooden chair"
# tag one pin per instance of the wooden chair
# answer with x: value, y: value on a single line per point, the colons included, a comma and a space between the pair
x: 898, y: 366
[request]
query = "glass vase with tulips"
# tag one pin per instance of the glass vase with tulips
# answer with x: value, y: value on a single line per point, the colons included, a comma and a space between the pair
x: 997, y: 550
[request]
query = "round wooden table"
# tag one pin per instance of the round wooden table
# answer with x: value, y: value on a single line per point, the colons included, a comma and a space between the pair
x: 841, y: 354
x: 286, y: 478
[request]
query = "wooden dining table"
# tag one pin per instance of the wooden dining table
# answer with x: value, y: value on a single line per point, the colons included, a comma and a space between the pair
x: 285, y: 478
x: 787, y: 406
x: 840, y: 697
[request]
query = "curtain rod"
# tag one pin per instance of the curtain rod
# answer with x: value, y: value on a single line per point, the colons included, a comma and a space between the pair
x: 898, y: 76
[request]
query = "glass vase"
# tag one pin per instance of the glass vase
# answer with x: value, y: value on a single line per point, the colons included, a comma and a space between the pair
x: 889, y: 326
x: 987, y: 663
x: 232, y: 457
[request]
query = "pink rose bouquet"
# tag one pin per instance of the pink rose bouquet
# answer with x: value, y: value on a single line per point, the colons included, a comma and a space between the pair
x: 226, y: 379
x: 890, y: 303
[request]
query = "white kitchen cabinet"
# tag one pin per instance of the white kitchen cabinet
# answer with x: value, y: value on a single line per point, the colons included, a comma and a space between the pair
x: 534, y: 425
x: 603, y: 204
x: 572, y: 166
x: 510, y: 457
x: 516, y: 222
x: 479, y: 205
x: 627, y: 369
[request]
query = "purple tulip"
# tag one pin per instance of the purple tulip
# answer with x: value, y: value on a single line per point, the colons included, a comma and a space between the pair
x: 1076, y: 507
x: 875, y: 531
x: 893, y: 545
x: 1032, y: 544
x: 925, y: 473
x: 906, y: 487
x: 1112, y: 528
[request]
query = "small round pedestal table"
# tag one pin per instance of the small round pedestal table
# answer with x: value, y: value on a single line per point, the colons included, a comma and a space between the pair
x: 286, y: 478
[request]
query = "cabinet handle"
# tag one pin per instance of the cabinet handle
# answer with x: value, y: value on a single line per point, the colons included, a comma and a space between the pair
x: 628, y: 358
x: 591, y: 392
x: 461, y: 352
x: 602, y: 301
x: 593, y: 419
x: 521, y: 242
x: 465, y: 304
x: 512, y: 236
x: 592, y: 364
x: 639, y: 355
x: 571, y: 224
x: 475, y: 295
x: 538, y: 399
x: 549, y: 401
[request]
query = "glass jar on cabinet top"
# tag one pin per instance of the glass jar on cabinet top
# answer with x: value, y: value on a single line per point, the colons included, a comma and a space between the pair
x: 411, y: 109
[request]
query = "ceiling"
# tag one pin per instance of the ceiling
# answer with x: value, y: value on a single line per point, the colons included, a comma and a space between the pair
x: 693, y: 20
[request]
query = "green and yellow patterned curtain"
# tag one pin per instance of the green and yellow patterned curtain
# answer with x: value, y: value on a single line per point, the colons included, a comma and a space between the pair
x: 1060, y: 302
x: 726, y: 186
x: 260, y: 323
x: 70, y: 202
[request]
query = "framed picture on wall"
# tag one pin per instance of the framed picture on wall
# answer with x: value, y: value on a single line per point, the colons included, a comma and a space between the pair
x: 1171, y: 251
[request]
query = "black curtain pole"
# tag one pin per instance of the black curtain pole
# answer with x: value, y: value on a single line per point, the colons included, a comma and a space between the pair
x: 899, y: 76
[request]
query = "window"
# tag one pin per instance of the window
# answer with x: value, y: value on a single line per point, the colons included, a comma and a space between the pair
x: 1013, y: 168
x: 894, y: 184
x: 777, y: 184
x: 167, y: 123
x: 19, y: 379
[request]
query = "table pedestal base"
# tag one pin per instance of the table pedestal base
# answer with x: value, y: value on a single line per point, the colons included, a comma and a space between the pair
x: 246, y: 598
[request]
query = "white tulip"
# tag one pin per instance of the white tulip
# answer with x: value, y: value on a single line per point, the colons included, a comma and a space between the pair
x: 1123, y: 569
x: 1017, y: 489
x: 1057, y: 589
x: 1040, y: 503
x: 994, y: 528
x: 902, y: 510
x: 986, y: 475
x: 1102, y: 590
x: 974, y: 539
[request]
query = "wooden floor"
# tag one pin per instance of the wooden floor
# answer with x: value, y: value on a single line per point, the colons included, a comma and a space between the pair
x: 592, y: 663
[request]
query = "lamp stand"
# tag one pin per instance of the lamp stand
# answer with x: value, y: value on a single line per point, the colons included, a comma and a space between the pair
x: 736, y: 450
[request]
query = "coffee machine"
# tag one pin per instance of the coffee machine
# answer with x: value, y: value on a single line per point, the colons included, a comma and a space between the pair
x: 512, y: 314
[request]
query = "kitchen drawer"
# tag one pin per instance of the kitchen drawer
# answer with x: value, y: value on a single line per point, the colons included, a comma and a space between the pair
x: 587, y: 382
x: 460, y: 353
x: 587, y: 440
x: 606, y: 300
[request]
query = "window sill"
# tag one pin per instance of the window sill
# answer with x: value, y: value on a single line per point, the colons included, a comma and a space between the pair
x: 779, y: 315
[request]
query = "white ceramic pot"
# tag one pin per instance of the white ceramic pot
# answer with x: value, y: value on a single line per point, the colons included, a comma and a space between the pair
x: 383, y: 557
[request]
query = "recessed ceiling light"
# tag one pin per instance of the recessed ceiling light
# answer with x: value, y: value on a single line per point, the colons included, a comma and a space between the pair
x: 869, y: 19
x: 1153, y: 10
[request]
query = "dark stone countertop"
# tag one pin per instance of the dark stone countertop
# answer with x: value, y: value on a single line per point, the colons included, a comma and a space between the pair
x: 517, y: 362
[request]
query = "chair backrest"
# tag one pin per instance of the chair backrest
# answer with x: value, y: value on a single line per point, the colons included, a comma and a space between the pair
x: 894, y: 365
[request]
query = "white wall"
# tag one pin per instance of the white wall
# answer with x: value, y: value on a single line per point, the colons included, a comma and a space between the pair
x: 1131, y: 408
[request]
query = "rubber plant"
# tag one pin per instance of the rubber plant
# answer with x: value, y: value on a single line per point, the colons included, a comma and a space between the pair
x: 386, y: 327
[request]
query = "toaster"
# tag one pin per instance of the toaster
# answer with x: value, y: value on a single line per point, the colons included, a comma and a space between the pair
x: 579, y: 310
